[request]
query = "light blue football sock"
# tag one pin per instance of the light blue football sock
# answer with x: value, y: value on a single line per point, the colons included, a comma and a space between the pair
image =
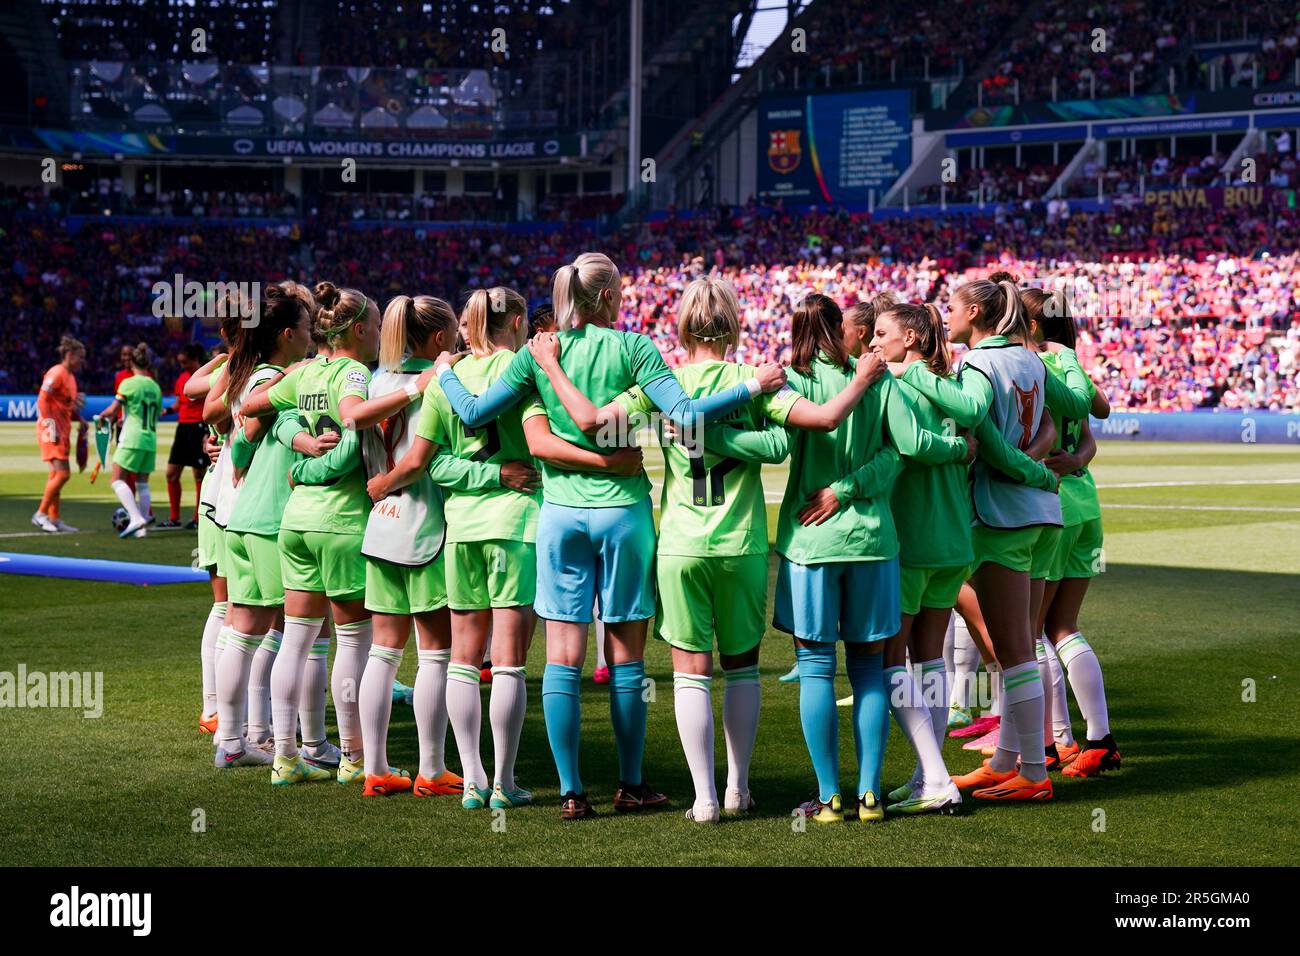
x: 870, y: 718
x: 817, y: 714
x: 627, y: 711
x: 561, y: 687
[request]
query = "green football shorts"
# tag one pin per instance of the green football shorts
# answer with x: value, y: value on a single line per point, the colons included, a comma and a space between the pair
x: 140, y: 461
x: 930, y: 587
x: 323, y: 561
x: 496, y: 573
x: 722, y: 597
x: 1028, y: 550
x: 1079, y: 552
x: 400, y: 589
x: 253, y: 569
x: 212, y: 545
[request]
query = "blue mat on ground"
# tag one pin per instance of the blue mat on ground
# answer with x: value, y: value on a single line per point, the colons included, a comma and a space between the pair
x: 83, y: 569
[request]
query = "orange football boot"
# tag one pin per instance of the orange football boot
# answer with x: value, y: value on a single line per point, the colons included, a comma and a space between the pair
x: 445, y: 785
x: 1067, y: 753
x: 208, y: 725
x: 982, y: 776
x: 385, y: 784
x: 1016, y: 788
x: 1097, y: 756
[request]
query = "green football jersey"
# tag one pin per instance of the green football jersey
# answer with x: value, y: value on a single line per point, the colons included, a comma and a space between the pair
x: 488, y: 513
x: 863, y: 527
x: 712, y: 505
x: 141, y: 399
x: 931, y: 503
x: 1079, y: 501
x: 315, y: 390
x: 265, y: 491
x: 602, y: 363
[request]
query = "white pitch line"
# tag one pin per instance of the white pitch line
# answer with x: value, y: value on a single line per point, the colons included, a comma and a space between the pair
x: 1203, y: 508
x: 43, y: 534
x: 1191, y: 484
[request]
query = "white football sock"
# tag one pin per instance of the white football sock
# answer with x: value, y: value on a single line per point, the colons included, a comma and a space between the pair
x: 741, y: 702
x: 351, y: 650
x: 124, y: 495
x: 212, y: 625
x: 996, y: 689
x: 142, y: 492
x: 965, y: 662
x: 259, y: 687
x: 218, y: 647
x: 1049, y: 701
x: 465, y: 709
x: 909, y: 708
x: 375, y: 704
x: 430, y: 703
x: 1084, y: 671
x: 287, y: 681
x: 232, y: 688
x: 694, y: 708
x: 1023, y: 703
x: 934, y: 691
x: 311, y: 702
x: 509, y: 698
x: 949, y: 662
x: 1062, y: 733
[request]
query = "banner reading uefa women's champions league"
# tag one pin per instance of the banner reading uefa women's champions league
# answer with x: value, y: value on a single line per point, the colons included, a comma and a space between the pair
x: 833, y: 147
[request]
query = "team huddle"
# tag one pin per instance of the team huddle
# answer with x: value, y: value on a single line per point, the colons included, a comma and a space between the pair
x: 486, y: 473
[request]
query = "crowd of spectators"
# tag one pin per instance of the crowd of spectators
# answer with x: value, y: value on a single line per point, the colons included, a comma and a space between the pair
x: 1201, y: 309
x: 382, y: 33
x: 994, y: 183
x: 234, y: 31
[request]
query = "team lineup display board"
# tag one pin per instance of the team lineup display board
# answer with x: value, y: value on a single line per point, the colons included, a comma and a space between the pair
x: 833, y: 147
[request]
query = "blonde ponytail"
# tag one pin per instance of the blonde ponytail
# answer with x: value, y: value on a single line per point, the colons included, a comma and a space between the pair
x: 578, y: 290
x: 1013, y: 323
x: 392, y: 332
x: 487, y: 313
x: 408, y: 323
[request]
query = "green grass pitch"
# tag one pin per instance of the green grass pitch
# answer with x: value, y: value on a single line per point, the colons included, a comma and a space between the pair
x: 1201, y: 592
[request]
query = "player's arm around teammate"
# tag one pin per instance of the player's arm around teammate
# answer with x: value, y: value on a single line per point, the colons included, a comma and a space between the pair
x: 596, y: 530
x: 259, y: 494
x: 933, y: 523
x: 321, y: 534
x: 1015, y: 532
x: 1078, y: 559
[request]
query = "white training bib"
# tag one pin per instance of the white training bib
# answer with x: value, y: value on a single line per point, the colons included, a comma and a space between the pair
x: 407, y: 527
x: 1018, y: 378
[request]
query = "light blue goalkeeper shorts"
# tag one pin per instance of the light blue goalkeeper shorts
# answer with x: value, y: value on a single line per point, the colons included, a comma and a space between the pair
x: 585, y: 553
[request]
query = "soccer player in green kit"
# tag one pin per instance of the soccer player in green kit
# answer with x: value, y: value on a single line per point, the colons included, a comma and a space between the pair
x: 491, y: 534
x: 1015, y: 526
x: 932, y: 516
x: 1076, y: 562
x: 406, y: 569
x: 141, y: 397
x: 321, y: 534
x: 711, y: 564
x: 595, y: 532
x: 837, y: 543
x: 260, y: 459
x: 211, y: 547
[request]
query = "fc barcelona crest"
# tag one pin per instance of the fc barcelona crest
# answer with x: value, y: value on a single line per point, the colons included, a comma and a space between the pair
x: 783, y: 151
